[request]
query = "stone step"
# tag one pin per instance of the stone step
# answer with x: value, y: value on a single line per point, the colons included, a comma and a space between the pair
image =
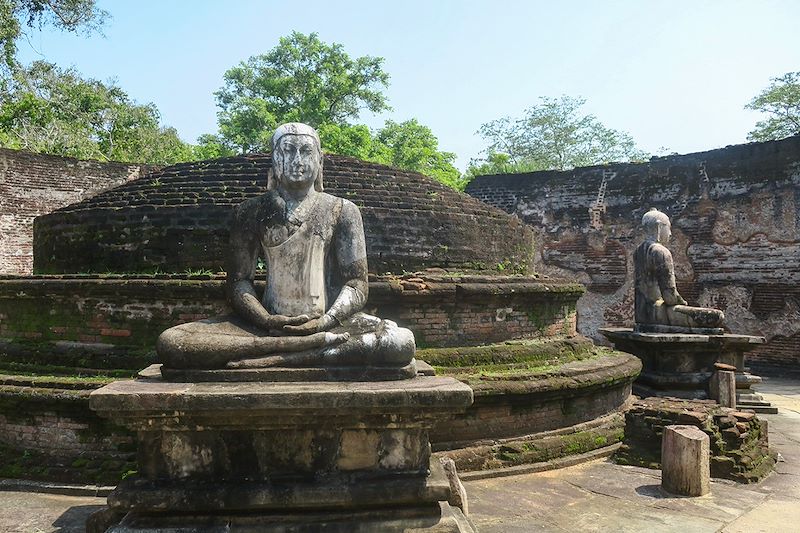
x: 765, y: 408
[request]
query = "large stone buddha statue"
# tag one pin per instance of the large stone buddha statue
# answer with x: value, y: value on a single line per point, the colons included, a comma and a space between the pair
x: 658, y: 305
x: 313, y: 247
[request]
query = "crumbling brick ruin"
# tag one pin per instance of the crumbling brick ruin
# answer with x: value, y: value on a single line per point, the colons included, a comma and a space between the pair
x: 36, y: 184
x: 736, y: 235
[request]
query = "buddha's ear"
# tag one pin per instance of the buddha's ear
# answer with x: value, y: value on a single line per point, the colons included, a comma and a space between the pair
x: 318, y: 182
x: 271, y: 185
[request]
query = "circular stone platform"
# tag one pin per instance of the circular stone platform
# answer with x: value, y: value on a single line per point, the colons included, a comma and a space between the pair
x: 177, y: 218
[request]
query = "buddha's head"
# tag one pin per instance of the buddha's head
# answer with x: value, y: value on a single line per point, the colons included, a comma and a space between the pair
x: 296, y: 158
x: 657, y: 226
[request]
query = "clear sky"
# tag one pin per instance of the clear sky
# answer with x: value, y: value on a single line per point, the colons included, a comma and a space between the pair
x: 673, y: 74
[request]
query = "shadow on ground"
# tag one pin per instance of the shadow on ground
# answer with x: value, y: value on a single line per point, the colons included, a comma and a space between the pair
x: 73, y: 519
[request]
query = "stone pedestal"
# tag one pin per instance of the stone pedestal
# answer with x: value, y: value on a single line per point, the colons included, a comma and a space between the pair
x: 284, y: 456
x: 681, y: 364
x: 685, y: 461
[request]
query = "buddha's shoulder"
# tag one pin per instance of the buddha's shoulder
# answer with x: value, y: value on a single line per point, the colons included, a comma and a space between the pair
x: 652, y: 248
x: 260, y: 208
x: 338, y: 203
x: 658, y: 250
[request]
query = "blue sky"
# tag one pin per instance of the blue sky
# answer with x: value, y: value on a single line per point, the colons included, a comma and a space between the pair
x: 673, y: 74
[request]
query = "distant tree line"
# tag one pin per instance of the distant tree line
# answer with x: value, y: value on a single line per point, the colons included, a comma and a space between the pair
x: 44, y: 108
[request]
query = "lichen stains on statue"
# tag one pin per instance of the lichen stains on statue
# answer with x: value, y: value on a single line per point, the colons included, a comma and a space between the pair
x: 657, y: 304
x: 310, y: 314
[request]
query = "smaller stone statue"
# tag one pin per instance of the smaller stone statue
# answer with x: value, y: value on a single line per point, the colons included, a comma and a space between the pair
x: 658, y: 306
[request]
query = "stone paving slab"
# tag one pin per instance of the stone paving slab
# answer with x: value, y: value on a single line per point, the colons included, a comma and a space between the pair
x: 601, y: 496
x: 25, y: 512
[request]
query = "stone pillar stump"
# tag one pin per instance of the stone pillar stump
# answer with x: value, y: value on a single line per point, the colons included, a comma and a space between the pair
x: 723, y: 385
x: 685, y: 468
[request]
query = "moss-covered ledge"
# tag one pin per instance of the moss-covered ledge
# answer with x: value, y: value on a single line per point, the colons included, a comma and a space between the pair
x: 524, y: 389
x: 48, y: 432
x: 113, y: 320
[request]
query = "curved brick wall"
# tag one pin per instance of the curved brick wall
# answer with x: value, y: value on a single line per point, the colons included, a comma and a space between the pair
x: 114, y: 322
x: 177, y: 219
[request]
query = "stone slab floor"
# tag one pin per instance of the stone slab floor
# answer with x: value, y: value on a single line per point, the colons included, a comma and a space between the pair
x: 595, y: 496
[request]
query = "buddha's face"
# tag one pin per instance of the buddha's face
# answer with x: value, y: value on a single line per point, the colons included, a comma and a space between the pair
x: 297, y: 161
x: 664, y: 232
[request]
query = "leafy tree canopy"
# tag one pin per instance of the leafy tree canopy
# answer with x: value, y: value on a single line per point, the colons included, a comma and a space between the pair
x: 413, y: 146
x: 306, y: 80
x: 47, y: 109
x: 781, y: 102
x: 553, y: 135
x: 407, y: 145
x: 66, y: 15
x: 301, y: 80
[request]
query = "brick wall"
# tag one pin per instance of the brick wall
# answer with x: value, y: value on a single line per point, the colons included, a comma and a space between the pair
x: 35, y: 184
x: 56, y: 423
x: 736, y: 235
x: 113, y: 323
x: 178, y: 218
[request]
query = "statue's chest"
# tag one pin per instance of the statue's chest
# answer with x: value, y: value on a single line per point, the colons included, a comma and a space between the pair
x: 296, y: 229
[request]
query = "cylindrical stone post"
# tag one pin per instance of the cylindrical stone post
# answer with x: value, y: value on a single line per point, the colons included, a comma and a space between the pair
x: 685, y: 465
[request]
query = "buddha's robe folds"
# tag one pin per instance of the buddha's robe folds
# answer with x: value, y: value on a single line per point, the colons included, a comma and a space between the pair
x: 656, y: 298
x: 315, y: 260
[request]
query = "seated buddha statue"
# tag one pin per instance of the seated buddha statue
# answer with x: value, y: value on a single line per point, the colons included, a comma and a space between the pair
x: 657, y: 302
x: 313, y: 248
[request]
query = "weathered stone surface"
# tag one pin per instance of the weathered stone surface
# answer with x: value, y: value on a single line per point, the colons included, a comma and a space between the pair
x: 657, y: 304
x: 679, y: 364
x: 684, y: 461
x: 411, y: 222
x: 743, y: 456
x: 313, y: 248
x: 722, y: 387
x: 435, y: 518
x: 132, y: 400
x: 343, y: 373
x: 458, y: 494
x: 273, y: 455
x: 275, y: 494
x: 34, y: 184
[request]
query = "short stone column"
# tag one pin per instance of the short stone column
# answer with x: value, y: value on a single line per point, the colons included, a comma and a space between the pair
x: 723, y: 385
x: 685, y: 465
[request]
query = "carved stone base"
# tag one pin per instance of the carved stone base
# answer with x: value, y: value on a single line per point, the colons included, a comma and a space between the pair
x: 343, y: 373
x: 662, y: 328
x: 435, y: 518
x: 680, y: 365
x: 278, y: 456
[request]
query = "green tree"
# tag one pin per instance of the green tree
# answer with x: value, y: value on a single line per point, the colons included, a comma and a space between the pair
x: 412, y: 146
x: 553, y: 135
x: 211, y: 146
x: 406, y: 145
x: 301, y: 80
x: 344, y: 139
x: 495, y: 163
x: 781, y: 102
x: 66, y: 15
x: 47, y: 109
x: 306, y: 80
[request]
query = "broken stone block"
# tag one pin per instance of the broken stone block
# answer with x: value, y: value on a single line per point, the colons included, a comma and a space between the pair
x: 458, y: 494
x: 723, y: 387
x: 685, y: 467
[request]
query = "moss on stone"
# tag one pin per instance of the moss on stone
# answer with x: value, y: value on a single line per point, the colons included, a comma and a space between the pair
x: 540, y: 352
